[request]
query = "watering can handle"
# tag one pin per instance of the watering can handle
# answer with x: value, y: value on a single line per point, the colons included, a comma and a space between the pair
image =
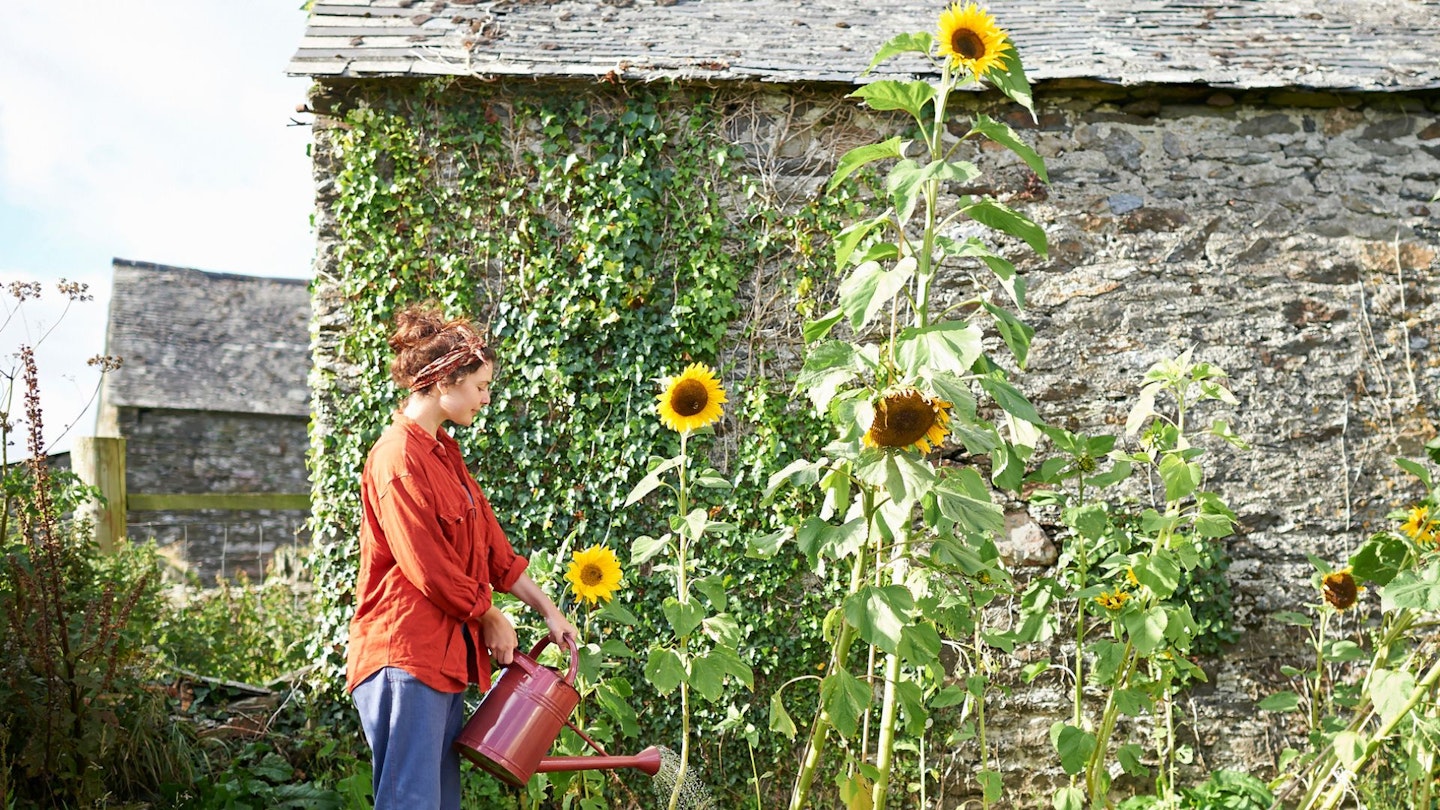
x: 574, y: 655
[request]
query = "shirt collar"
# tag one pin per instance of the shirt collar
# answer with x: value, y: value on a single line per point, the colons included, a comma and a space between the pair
x: 441, y: 442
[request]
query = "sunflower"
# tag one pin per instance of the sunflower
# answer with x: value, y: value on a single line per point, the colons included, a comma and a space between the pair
x: 1340, y: 589
x: 909, y: 419
x: 594, y: 574
x: 1420, y: 526
x: 972, y: 40
x: 692, y: 400
x: 1113, y: 600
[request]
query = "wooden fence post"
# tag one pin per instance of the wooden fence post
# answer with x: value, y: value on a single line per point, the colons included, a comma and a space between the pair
x: 99, y: 461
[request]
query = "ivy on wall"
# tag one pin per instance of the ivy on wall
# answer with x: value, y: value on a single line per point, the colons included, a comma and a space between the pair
x: 598, y: 235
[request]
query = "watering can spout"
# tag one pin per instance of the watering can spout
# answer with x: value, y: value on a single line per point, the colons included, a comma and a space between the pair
x: 647, y: 761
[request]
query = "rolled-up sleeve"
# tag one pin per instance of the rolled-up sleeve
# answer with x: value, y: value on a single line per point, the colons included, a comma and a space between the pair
x: 505, y: 565
x: 412, y: 527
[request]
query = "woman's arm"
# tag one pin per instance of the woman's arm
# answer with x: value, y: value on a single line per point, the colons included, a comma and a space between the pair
x: 528, y: 592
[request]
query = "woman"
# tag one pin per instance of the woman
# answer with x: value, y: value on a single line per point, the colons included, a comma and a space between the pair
x: 431, y: 556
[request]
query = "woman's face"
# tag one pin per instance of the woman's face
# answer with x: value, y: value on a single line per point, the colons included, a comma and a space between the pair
x: 461, y: 400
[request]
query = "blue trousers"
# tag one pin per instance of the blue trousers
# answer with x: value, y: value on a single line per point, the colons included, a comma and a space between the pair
x: 410, y: 728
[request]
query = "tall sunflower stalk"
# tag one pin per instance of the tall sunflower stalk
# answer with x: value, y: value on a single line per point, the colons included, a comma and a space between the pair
x: 903, y: 385
x: 703, y: 653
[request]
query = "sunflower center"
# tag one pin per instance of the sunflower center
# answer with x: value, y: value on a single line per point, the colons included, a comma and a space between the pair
x: 689, y: 397
x: 902, y: 421
x: 591, y: 575
x: 968, y: 44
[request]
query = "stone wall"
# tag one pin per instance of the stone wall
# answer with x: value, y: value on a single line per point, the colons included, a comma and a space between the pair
x: 1286, y: 237
x: 173, y: 452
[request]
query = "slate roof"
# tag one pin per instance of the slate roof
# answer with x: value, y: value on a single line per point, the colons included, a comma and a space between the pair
x: 192, y: 340
x: 1370, y: 45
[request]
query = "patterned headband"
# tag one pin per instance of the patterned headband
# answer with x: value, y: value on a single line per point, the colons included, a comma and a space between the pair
x: 471, y: 348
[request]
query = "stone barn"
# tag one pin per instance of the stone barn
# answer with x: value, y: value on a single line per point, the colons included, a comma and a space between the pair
x: 212, y: 404
x: 1254, y: 181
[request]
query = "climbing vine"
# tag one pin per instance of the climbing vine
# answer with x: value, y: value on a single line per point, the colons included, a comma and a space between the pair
x: 599, y: 237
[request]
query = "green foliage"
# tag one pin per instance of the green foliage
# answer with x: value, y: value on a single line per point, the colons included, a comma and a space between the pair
x: 264, y: 626
x: 589, y: 230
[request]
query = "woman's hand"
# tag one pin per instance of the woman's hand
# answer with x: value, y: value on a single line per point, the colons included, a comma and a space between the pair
x: 498, y: 634
x: 560, y: 627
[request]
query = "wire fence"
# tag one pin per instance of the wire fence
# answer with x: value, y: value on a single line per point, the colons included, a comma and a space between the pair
x: 221, y: 549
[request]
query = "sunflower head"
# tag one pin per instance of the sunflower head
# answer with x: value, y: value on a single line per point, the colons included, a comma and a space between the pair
x: 1113, y: 600
x: 1340, y: 589
x: 1420, y: 525
x: 691, y: 399
x: 594, y: 574
x: 909, y: 419
x: 970, y: 38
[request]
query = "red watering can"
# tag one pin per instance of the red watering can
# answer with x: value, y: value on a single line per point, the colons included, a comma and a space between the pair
x: 520, y: 718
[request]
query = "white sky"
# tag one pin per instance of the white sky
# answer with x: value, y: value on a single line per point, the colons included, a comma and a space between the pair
x: 149, y: 130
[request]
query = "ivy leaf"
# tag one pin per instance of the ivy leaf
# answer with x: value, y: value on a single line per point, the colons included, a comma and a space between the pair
x: 844, y: 698
x: 880, y: 615
x: 950, y: 346
x: 664, y: 670
x: 1005, y: 219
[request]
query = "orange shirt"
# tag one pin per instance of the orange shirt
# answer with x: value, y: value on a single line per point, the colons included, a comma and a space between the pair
x: 431, y: 552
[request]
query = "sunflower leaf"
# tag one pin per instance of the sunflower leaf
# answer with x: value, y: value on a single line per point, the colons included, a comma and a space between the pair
x: 683, y: 617
x: 844, y: 698
x: 889, y: 94
x: 1002, y: 134
x: 1011, y: 400
x: 870, y: 287
x: 1015, y: 332
x: 652, y: 480
x: 919, y: 42
x: 646, y: 547
x: 664, y: 670
x: 827, y: 367
x: 817, y: 329
x: 850, y: 162
x: 1010, y: 80
x: 1002, y: 218
x: 780, y: 720
x: 951, y: 346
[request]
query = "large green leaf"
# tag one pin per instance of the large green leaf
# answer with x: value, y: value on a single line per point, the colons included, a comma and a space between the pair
x: 851, y: 236
x: 964, y: 498
x: 1073, y: 745
x: 880, y: 615
x: 948, y: 346
x: 1390, y: 691
x: 1159, y: 572
x: 683, y: 617
x: 664, y: 670
x: 889, y: 94
x: 903, y: 476
x: 707, y: 677
x: 1181, y: 477
x: 1379, y: 559
x: 1002, y: 218
x: 827, y: 367
x: 1146, y: 629
x: 870, y: 287
x: 844, y: 698
x: 652, y: 479
x: 1010, y: 399
x: 817, y: 537
x: 1005, y: 136
x: 1413, y: 590
x: 1011, y: 80
x: 918, y: 42
x: 1015, y: 332
x: 779, y: 718
x: 861, y: 155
